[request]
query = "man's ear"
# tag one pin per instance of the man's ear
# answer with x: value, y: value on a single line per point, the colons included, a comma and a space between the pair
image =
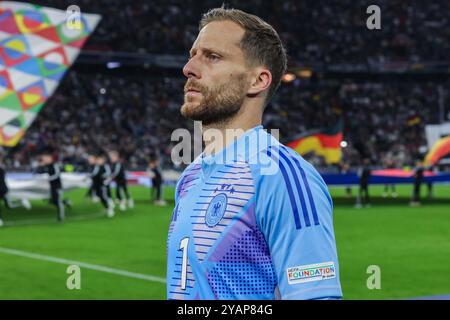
x: 261, y: 81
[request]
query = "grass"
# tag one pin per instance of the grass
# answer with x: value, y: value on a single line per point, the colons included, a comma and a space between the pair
x: 410, y: 245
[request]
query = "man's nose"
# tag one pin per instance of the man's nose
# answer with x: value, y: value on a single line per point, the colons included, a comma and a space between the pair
x: 191, y: 69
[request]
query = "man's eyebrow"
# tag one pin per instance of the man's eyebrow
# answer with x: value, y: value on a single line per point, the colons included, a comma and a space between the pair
x: 210, y: 50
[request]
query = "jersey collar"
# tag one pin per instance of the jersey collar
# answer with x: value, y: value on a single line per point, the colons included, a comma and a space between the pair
x: 240, y: 150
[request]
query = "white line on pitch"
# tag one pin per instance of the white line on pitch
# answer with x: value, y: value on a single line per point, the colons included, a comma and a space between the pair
x: 82, y: 265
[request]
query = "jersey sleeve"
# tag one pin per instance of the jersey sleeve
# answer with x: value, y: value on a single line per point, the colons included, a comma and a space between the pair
x: 177, y: 188
x: 294, y: 212
x: 179, y: 185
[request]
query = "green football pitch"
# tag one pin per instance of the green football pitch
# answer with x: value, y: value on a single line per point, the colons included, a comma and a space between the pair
x: 124, y: 257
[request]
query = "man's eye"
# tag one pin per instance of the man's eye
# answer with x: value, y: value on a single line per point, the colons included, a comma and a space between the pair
x: 213, y: 57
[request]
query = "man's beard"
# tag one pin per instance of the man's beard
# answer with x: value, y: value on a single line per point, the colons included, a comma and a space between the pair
x: 218, y: 104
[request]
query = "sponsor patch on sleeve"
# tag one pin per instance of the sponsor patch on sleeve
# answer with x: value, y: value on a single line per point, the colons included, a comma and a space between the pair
x: 311, y: 272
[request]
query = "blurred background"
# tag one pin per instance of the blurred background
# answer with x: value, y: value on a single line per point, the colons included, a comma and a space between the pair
x: 127, y: 81
x: 388, y: 89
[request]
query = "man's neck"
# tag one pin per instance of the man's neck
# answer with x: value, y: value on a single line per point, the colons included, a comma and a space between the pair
x: 218, y: 136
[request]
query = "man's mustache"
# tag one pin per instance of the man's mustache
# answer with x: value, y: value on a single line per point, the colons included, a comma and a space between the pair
x: 191, y: 85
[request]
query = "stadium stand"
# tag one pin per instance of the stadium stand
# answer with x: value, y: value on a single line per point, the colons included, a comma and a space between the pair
x: 136, y: 109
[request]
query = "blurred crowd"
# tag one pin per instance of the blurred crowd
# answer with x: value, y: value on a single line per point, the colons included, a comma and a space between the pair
x: 314, y: 32
x: 91, y: 112
x: 382, y: 120
x: 136, y: 112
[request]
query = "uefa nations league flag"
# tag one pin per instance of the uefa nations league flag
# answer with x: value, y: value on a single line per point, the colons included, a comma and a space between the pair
x: 37, y: 46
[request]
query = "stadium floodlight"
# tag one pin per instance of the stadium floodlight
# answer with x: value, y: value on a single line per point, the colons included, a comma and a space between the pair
x: 113, y: 65
x: 304, y: 73
x: 288, y: 77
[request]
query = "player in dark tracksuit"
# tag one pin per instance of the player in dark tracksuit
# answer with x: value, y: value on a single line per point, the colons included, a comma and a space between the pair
x: 364, y: 176
x: 48, y: 166
x: 119, y: 176
x: 107, y: 181
x: 156, y: 181
x: 418, y: 179
x: 3, y: 192
x: 100, y: 175
x: 91, y: 191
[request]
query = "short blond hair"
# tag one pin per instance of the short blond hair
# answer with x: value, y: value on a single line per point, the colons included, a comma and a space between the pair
x: 261, y: 44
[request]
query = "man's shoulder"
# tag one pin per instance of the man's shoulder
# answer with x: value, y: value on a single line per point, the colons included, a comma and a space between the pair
x: 189, y: 172
x: 278, y: 161
x: 293, y: 184
x: 192, y: 167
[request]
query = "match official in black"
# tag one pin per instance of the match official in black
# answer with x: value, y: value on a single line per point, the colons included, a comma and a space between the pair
x: 118, y: 174
x: 3, y: 190
x: 156, y: 176
x: 364, y: 176
x: 418, y: 179
x: 100, y: 176
x: 47, y: 165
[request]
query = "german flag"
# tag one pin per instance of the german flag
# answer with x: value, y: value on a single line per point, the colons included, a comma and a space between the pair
x: 413, y: 120
x: 440, y: 150
x: 325, y: 142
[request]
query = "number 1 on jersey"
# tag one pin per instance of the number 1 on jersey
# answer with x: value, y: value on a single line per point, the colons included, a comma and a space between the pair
x: 184, y: 246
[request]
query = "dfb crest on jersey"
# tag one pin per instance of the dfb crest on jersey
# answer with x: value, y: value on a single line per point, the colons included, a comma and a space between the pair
x: 216, y: 210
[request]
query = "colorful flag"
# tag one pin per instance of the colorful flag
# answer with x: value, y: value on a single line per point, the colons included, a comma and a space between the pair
x: 37, y: 46
x: 440, y: 150
x: 324, y: 142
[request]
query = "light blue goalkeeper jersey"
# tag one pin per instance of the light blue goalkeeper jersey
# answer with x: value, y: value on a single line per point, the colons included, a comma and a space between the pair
x: 254, y: 221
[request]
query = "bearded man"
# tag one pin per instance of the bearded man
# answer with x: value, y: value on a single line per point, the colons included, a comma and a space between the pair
x: 240, y: 229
